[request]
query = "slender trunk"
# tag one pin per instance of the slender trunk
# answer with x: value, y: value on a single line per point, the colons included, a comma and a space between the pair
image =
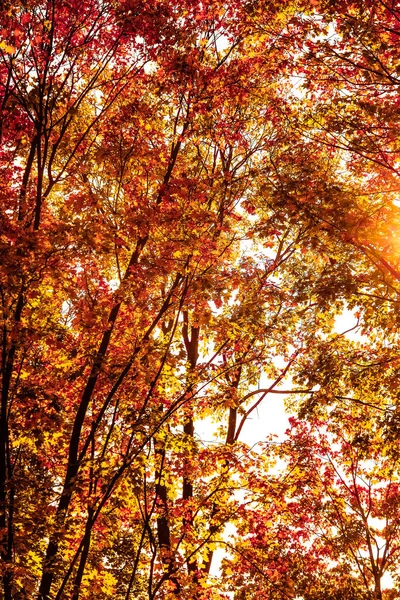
x: 84, y: 556
x: 5, y: 525
x: 230, y: 436
x: 187, y: 493
x: 136, y: 563
x: 163, y: 531
x: 378, y: 591
x: 39, y: 186
x: 28, y: 168
x: 191, y: 345
x: 6, y: 491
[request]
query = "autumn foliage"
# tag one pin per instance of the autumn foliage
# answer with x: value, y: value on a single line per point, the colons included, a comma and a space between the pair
x: 193, y: 194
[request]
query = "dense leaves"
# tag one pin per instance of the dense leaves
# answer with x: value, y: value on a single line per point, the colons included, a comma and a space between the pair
x: 193, y: 195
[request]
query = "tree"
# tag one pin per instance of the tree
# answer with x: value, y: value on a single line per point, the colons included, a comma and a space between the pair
x: 168, y: 231
x: 327, y: 525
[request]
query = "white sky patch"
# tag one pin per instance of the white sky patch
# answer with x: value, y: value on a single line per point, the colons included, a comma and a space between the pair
x: 269, y: 418
x: 67, y: 313
x: 114, y: 284
x: 346, y: 323
x: 387, y: 581
x: 220, y: 553
x: 222, y: 43
x: 150, y: 67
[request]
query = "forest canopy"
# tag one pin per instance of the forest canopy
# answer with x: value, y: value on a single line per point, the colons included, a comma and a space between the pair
x: 193, y: 194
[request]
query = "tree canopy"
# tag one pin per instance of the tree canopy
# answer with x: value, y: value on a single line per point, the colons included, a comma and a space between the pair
x: 193, y: 194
